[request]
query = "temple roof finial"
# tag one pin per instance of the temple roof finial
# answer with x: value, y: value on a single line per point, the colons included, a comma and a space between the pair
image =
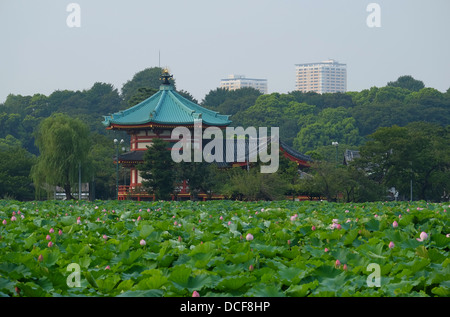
x: 166, y: 77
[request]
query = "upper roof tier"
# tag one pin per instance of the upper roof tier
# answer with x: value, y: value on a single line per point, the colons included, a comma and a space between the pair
x: 166, y: 107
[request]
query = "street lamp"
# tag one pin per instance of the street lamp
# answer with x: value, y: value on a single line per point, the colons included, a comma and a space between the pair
x: 336, y: 144
x: 117, y: 143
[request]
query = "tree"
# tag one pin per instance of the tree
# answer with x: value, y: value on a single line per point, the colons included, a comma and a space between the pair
x: 157, y: 170
x: 331, y: 124
x: 253, y: 185
x: 418, y: 153
x: 407, y: 82
x: 64, y: 145
x: 15, y: 166
x: 147, y: 78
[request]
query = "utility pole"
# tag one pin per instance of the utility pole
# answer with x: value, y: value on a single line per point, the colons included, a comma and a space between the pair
x: 79, y: 180
x: 336, y: 144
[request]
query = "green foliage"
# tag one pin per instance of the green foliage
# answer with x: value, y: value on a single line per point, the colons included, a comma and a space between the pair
x: 157, y: 170
x: 253, y: 185
x: 64, y: 144
x: 208, y: 253
x: 148, y: 78
x: 15, y: 166
x: 407, y: 82
x: 419, y: 152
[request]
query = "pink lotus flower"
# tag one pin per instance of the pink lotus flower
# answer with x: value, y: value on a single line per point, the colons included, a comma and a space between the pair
x: 448, y: 235
x: 4, y: 222
x: 347, y: 210
x: 249, y: 237
x: 175, y: 223
x: 345, y: 267
x: 395, y: 224
x: 221, y: 218
x: 142, y: 242
x: 251, y: 268
x: 51, y: 230
x: 229, y: 222
x: 105, y: 237
x: 13, y: 218
x: 50, y: 244
x: 60, y: 232
x: 107, y: 267
x: 40, y: 258
x: 337, y: 263
x: 48, y: 237
x: 423, y: 236
x: 195, y: 294
x: 313, y: 228
x: 326, y: 250
x: 391, y: 245
x: 139, y: 218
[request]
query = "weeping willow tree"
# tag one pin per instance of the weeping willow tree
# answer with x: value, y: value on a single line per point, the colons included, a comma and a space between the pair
x: 64, y: 145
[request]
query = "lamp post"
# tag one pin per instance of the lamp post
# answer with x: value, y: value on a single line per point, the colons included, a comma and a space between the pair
x: 336, y: 144
x: 117, y: 143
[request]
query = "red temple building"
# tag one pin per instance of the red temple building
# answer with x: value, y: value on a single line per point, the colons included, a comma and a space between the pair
x: 156, y: 117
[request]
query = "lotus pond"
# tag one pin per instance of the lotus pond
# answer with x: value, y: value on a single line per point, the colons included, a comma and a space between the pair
x: 224, y: 248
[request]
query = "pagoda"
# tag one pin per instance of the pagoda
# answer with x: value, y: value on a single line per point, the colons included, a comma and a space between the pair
x: 156, y: 117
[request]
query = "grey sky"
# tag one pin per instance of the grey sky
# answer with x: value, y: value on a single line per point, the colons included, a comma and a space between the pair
x: 202, y: 41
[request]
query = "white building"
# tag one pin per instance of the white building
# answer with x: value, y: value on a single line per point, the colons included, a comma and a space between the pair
x: 327, y: 76
x: 234, y: 82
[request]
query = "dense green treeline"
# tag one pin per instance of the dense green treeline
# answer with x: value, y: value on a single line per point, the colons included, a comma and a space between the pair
x: 309, y: 122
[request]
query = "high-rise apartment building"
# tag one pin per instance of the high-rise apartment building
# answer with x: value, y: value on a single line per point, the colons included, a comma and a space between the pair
x: 322, y: 77
x: 234, y: 82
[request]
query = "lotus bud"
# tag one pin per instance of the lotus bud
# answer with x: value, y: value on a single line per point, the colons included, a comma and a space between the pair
x: 142, y: 242
x: 195, y: 294
x: 395, y: 224
x: 40, y: 258
x: 50, y: 244
x: 249, y: 237
x: 423, y: 236
x: 51, y: 230
x: 391, y: 245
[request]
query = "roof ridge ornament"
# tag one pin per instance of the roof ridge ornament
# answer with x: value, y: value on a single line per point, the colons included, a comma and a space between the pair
x: 166, y: 77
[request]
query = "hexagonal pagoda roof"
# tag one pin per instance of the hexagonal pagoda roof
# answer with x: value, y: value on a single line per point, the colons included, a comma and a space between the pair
x: 166, y: 107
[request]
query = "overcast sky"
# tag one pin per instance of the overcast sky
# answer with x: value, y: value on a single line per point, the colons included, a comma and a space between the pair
x: 203, y: 41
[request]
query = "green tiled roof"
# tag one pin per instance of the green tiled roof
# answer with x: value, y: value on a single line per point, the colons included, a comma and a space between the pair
x: 166, y: 107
